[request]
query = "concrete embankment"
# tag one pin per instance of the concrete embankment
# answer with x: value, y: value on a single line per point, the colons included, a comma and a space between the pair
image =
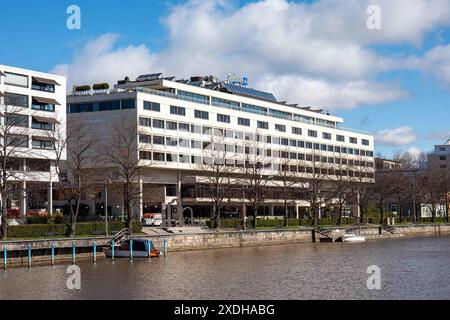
x: 18, y: 250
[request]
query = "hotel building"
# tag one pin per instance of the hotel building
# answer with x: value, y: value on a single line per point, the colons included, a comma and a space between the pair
x: 33, y: 109
x: 181, y: 123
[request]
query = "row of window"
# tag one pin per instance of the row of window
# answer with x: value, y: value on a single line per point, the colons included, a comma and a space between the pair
x: 239, y: 135
x: 22, y: 101
x: 192, y: 159
x: 22, y: 141
x: 223, y: 118
x: 20, y: 80
x: 102, y: 106
x: 206, y: 145
x: 19, y: 120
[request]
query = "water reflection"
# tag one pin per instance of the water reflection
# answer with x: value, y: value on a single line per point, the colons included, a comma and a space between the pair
x: 411, y: 268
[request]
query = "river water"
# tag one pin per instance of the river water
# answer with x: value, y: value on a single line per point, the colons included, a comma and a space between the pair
x: 410, y: 269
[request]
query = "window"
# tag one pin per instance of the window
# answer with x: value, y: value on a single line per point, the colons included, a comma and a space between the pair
x: 301, y: 144
x: 42, y: 125
x: 244, y: 122
x: 296, y: 130
x: 158, y: 156
x: 171, y: 142
x: 184, y: 158
x: 207, y: 131
x: 195, y: 144
x: 183, y: 127
x: 196, y: 160
x: 225, y: 103
x: 442, y: 158
x: 109, y: 105
x: 340, y: 138
x: 170, y: 157
x: 145, y: 122
x: 37, y: 165
x: 178, y: 110
x: 353, y: 140
x: 326, y: 135
x: 312, y: 133
x: 17, y: 120
x: 263, y: 125
x: 280, y: 127
x: 308, y: 145
x: 35, y: 105
x: 196, y: 129
x: 43, y: 143
x: 365, y: 142
x: 189, y: 96
x: 145, y: 138
x: 145, y: 155
x: 128, y: 104
x: 158, y: 140
x: 223, y: 118
x: 171, y: 125
x: 293, y: 143
x: 42, y: 86
x: 152, y: 106
x: 15, y: 79
x: 16, y: 100
x: 284, y: 141
x: 254, y: 109
x: 184, y: 143
x: 201, y: 114
x: 158, y: 123
x: 19, y: 141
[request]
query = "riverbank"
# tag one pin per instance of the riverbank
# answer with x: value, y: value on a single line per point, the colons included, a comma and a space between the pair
x: 18, y: 250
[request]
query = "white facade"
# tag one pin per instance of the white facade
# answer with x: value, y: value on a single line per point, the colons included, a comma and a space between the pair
x: 177, y: 123
x: 39, y: 100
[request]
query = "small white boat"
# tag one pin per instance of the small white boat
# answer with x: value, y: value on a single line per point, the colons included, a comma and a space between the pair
x: 351, y: 237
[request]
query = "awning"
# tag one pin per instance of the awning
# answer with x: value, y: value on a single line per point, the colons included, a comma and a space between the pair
x: 41, y: 138
x: 47, y: 81
x: 46, y: 100
x: 2, y: 74
x: 45, y: 119
x: 1, y: 94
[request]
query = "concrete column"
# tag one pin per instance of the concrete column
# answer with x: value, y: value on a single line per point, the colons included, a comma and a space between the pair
x: 296, y: 211
x: 23, y: 200
x: 271, y: 210
x: 179, y: 200
x: 141, y: 200
x: 92, y: 201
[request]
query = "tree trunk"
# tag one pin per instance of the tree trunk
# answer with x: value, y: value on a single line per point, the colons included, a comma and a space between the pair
x: 400, y: 217
x: 4, y: 217
x: 339, y: 221
x: 255, y: 214
x: 382, y: 211
x: 361, y: 214
x: 286, y: 213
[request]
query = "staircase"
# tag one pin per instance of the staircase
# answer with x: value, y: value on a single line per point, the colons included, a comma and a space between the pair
x: 120, y: 237
x: 323, y: 232
x: 389, y: 229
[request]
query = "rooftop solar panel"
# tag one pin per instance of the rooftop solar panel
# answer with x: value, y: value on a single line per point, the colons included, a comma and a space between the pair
x: 249, y: 92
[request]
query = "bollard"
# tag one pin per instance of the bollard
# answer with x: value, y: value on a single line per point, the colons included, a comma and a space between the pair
x: 95, y: 251
x: 5, y: 257
x: 149, y: 245
x: 73, y: 253
x: 131, y: 249
x: 165, y: 247
x: 112, y: 250
x: 29, y: 255
x: 53, y: 253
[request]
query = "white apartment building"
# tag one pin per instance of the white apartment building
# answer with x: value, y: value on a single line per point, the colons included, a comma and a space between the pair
x: 440, y: 158
x: 34, y: 104
x: 182, y: 122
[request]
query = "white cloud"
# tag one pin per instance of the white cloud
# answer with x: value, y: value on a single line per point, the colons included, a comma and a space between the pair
x: 396, y: 137
x: 100, y: 61
x: 318, y: 53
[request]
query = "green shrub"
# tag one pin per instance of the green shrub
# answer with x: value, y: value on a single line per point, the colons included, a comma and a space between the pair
x: 100, y: 86
x: 59, y: 230
x: 38, y: 220
x: 82, y: 88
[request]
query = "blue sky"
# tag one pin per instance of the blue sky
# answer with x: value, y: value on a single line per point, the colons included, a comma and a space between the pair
x: 393, y: 82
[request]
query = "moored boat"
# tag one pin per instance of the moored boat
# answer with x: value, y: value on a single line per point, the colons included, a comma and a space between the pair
x: 351, y: 237
x: 140, y: 249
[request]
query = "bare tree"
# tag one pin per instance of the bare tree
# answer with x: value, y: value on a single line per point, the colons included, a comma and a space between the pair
x: 218, y: 171
x: 381, y: 190
x: 255, y: 176
x: 434, y: 191
x: 76, y: 175
x: 361, y: 186
x: 14, y: 142
x: 122, y: 153
x: 288, y: 178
